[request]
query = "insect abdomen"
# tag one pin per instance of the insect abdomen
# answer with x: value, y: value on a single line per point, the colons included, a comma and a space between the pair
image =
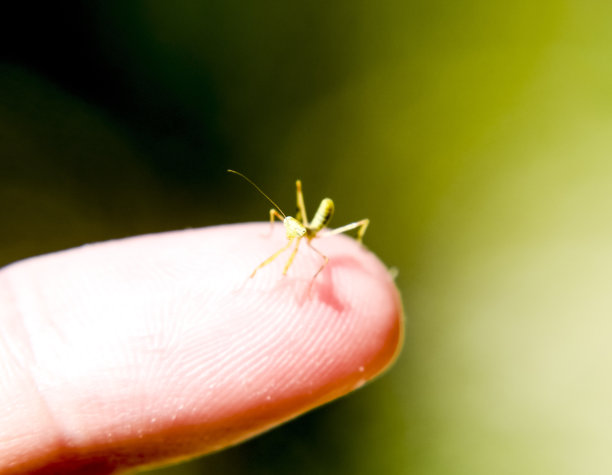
x: 323, y: 215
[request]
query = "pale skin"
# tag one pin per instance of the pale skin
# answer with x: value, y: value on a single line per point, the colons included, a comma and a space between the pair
x: 148, y: 349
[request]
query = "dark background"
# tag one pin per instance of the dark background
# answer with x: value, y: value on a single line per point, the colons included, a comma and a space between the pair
x: 476, y: 136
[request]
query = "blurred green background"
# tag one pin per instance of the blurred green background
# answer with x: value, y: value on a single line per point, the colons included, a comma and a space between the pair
x: 475, y: 135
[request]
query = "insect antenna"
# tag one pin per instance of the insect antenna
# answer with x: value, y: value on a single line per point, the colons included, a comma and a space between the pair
x: 259, y: 189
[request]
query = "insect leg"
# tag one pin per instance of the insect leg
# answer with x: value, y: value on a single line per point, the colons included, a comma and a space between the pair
x: 300, y: 202
x: 325, y: 260
x: 362, y: 225
x: 274, y: 214
x: 272, y: 257
x: 292, y: 256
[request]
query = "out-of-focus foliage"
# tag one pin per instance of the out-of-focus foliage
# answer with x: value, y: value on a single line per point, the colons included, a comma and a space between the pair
x: 476, y: 136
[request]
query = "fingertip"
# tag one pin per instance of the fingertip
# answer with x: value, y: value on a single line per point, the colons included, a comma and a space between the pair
x: 212, y: 356
x: 341, y: 329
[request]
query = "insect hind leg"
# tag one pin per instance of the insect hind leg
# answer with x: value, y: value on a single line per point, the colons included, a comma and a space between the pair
x: 362, y: 225
x: 300, y: 203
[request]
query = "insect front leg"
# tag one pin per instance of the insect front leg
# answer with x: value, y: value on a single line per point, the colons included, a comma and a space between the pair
x: 272, y: 257
x: 274, y: 214
x: 362, y: 225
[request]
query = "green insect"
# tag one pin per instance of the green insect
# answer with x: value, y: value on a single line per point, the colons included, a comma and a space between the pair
x: 298, y: 228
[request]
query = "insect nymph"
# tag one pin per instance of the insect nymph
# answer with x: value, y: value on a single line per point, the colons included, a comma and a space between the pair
x: 298, y: 228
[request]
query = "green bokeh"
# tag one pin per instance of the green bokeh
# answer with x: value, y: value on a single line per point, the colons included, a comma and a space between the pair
x: 476, y: 136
